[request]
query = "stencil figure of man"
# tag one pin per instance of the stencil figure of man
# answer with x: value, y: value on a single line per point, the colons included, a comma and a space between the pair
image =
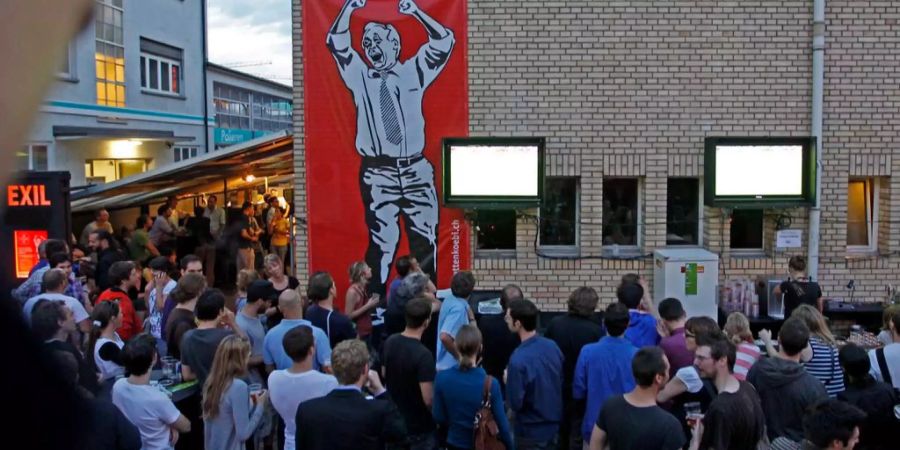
x: 394, y: 176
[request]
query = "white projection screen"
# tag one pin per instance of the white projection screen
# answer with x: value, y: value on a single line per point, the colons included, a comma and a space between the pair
x: 759, y: 170
x: 502, y: 171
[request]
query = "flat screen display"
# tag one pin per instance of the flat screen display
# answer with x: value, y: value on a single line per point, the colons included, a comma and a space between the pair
x: 759, y: 170
x: 493, y: 171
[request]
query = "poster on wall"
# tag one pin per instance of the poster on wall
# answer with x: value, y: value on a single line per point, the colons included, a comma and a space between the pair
x: 26, y: 244
x: 384, y: 82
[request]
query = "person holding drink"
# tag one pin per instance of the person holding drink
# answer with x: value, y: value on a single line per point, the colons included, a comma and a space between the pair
x: 231, y: 409
x: 734, y: 419
x: 358, y: 306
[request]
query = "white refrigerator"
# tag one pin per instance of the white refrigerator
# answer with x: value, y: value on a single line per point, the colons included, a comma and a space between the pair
x: 690, y: 275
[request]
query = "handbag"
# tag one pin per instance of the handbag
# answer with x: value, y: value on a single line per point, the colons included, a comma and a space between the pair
x: 487, y: 433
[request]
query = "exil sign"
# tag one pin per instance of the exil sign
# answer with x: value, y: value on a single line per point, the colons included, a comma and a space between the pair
x: 27, y: 195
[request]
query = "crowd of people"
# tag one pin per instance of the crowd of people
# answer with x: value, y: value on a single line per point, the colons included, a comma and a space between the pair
x: 281, y: 370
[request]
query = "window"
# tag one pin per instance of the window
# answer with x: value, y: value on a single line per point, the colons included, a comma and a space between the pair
x: 683, y: 211
x: 243, y: 109
x: 621, y: 215
x: 747, y: 229
x: 271, y: 113
x: 107, y: 170
x: 862, y: 214
x: 31, y: 157
x: 110, y: 53
x: 559, y: 213
x: 160, y: 67
x: 66, y: 68
x: 496, y: 230
x: 183, y: 153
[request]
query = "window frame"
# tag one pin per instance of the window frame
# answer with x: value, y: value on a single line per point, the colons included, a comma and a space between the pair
x: 118, y: 176
x: 103, y: 57
x: 179, y: 152
x: 632, y: 249
x: 496, y: 253
x: 563, y: 250
x: 31, y: 158
x: 700, y: 208
x: 873, y: 186
x: 71, y: 62
x: 750, y: 251
x: 145, y: 74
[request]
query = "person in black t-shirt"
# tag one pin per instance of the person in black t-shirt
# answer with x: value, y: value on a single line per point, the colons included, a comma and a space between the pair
x: 499, y: 342
x: 247, y: 236
x: 634, y: 421
x: 571, y: 332
x: 53, y: 322
x: 881, y: 427
x: 409, y: 370
x: 321, y: 292
x: 799, y: 289
x: 198, y: 346
x: 735, y: 419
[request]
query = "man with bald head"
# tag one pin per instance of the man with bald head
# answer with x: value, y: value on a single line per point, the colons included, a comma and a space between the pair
x: 395, y: 178
x: 274, y: 354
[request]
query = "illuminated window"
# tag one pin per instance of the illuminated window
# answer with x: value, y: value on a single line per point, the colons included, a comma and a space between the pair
x: 862, y: 214
x: 110, y: 53
x: 108, y: 170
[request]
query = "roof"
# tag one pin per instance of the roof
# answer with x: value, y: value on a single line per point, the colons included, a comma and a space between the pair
x: 251, y: 77
x: 267, y: 156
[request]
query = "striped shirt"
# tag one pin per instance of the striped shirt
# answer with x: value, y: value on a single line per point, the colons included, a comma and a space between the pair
x: 825, y: 366
x: 747, y: 355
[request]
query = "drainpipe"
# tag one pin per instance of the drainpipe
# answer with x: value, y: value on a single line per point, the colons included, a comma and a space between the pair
x: 205, y: 81
x: 818, y: 94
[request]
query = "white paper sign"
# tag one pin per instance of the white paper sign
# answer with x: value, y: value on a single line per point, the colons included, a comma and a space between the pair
x: 789, y: 239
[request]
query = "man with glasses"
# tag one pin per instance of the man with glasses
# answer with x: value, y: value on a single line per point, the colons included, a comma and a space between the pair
x: 734, y: 419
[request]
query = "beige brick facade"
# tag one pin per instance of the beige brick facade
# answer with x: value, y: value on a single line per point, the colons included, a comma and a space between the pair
x: 631, y: 88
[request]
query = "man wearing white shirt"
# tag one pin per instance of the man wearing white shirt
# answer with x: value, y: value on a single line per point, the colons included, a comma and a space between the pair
x: 215, y: 215
x: 147, y: 407
x: 55, y: 283
x: 292, y: 386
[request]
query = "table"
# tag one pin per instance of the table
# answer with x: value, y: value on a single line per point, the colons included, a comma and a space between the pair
x: 180, y: 391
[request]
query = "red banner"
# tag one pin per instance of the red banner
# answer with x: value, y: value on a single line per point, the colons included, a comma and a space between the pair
x: 384, y: 82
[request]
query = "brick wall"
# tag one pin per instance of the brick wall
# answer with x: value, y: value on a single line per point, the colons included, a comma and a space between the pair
x: 632, y: 89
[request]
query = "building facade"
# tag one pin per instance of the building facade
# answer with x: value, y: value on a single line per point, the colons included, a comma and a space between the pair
x: 129, y: 97
x: 626, y: 93
x: 246, y: 106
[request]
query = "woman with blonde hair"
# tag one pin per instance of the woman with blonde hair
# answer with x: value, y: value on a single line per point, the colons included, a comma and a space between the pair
x: 228, y: 418
x: 358, y: 305
x: 459, y: 393
x: 737, y: 328
x: 244, y: 278
x: 821, y: 357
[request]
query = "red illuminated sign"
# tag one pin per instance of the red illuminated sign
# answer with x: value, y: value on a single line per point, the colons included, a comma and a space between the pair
x: 26, y: 246
x: 27, y: 195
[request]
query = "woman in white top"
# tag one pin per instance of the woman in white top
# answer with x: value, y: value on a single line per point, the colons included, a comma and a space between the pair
x: 104, y: 344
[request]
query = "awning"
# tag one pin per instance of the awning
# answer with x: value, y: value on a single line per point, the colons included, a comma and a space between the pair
x: 267, y: 156
x: 69, y: 132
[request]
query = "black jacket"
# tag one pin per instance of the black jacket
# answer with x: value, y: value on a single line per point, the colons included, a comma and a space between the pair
x: 786, y: 391
x: 105, y: 260
x: 877, y: 400
x: 346, y: 420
